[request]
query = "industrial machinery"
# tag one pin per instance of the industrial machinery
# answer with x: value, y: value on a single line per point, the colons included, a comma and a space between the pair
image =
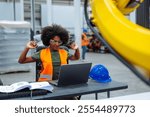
x: 127, y: 41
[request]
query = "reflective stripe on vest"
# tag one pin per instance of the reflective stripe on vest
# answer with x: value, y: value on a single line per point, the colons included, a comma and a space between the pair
x: 46, y: 58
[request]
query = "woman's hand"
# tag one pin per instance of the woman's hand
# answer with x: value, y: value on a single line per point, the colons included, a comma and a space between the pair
x: 31, y: 44
x: 73, y: 46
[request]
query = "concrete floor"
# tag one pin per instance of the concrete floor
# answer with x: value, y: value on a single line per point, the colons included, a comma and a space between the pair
x: 117, y: 70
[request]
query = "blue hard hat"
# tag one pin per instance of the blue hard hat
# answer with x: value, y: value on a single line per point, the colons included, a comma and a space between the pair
x: 100, y: 73
x: 85, y: 30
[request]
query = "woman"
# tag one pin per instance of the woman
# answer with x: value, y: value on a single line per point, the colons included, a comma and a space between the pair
x: 52, y: 57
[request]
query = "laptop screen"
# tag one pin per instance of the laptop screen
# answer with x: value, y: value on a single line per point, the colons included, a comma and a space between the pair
x: 72, y: 74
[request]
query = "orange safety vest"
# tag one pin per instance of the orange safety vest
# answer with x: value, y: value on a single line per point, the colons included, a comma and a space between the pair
x: 84, y: 41
x: 45, y: 56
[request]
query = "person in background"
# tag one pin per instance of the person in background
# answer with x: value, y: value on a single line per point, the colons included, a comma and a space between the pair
x: 52, y: 57
x: 84, y: 43
x: 37, y: 36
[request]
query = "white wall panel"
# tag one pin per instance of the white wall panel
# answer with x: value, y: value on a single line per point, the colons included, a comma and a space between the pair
x: 7, y: 11
x: 63, y: 15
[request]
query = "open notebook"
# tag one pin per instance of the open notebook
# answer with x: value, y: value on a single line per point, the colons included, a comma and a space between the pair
x: 24, y: 89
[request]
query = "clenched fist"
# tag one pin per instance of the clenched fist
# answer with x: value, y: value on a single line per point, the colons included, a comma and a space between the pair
x: 73, y: 46
x: 31, y: 44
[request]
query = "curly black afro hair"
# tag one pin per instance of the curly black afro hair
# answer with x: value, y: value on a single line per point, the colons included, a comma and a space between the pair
x: 49, y: 32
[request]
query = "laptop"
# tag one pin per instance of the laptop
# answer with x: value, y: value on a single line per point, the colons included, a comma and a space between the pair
x: 72, y: 74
